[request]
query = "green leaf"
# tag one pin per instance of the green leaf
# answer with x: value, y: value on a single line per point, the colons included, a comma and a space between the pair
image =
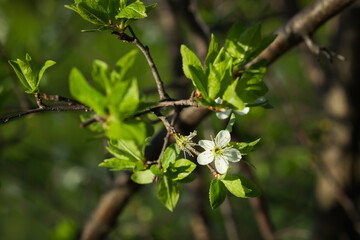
x: 139, y: 166
x: 125, y: 149
x: 143, y: 177
x: 134, y: 130
x: 15, y: 66
x: 46, y: 65
x: 130, y: 102
x: 100, y: 29
x: 212, y: 52
x: 193, y: 69
x: 118, y: 164
x: 180, y: 169
x: 231, y: 97
x: 169, y: 156
x: 246, y: 42
x: 220, y: 75
x: 251, y: 85
x: 93, y: 13
x: 231, y: 123
x: 233, y: 184
x: 135, y: 10
x: 245, y: 148
x: 199, y: 80
x: 217, y: 193
x: 240, y: 186
x: 101, y: 76
x: 150, y: 7
x: 28, y: 73
x: 125, y: 63
x: 168, y: 193
x: 155, y: 170
x: 84, y: 93
x: 188, y: 179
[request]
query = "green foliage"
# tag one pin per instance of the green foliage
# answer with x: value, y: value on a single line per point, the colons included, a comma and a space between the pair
x: 25, y: 72
x: 245, y: 148
x: 169, y: 156
x: 168, y: 193
x: 217, y: 193
x: 143, y: 176
x: 217, y: 79
x: 111, y: 15
x: 240, y: 186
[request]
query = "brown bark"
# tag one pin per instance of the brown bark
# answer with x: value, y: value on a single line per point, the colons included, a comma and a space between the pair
x: 340, y: 154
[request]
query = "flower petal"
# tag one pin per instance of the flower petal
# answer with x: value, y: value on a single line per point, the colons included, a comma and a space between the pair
x: 218, y: 100
x: 205, y: 158
x: 222, y: 139
x: 232, y: 155
x: 221, y: 165
x: 244, y: 111
x: 224, y: 114
x: 206, y: 144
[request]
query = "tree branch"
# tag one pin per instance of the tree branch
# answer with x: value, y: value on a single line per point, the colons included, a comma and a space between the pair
x: 145, y: 50
x: 304, y: 23
x: 6, y: 119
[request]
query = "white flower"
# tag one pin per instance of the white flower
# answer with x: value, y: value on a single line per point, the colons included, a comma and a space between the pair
x: 218, y: 149
x: 224, y: 114
x: 185, y: 144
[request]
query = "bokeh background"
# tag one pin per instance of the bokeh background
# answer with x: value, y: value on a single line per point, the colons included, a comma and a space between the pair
x: 49, y: 176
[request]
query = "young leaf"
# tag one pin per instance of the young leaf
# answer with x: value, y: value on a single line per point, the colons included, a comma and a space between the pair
x: 169, y: 156
x: 155, y: 170
x: 231, y: 96
x: 130, y: 102
x: 28, y: 73
x: 134, y: 130
x: 101, y: 76
x: 241, y: 186
x: 125, y: 149
x: 118, y: 164
x: 20, y: 75
x: 217, y: 193
x: 231, y: 123
x: 84, y: 93
x: 168, y: 193
x: 181, y: 169
x: 251, y: 85
x: 245, y: 148
x: 135, y: 10
x: 143, y: 176
x: 189, y: 59
x: 150, y: 7
x: 47, y: 64
x: 212, y: 52
x: 125, y: 63
x: 233, y: 184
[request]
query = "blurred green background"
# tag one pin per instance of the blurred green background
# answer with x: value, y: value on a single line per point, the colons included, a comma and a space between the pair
x: 50, y: 181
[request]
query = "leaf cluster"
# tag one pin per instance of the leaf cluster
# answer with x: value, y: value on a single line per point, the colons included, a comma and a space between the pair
x: 218, y: 78
x: 115, y: 15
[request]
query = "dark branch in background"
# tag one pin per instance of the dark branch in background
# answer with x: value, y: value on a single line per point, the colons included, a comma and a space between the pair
x: 145, y: 50
x: 302, y: 24
x: 305, y: 22
x: 317, y: 50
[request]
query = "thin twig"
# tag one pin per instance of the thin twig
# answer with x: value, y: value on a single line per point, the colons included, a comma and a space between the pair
x: 58, y: 98
x: 145, y: 50
x: 317, y: 50
x: 7, y: 118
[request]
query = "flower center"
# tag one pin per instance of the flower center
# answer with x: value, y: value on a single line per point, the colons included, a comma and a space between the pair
x: 217, y: 150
